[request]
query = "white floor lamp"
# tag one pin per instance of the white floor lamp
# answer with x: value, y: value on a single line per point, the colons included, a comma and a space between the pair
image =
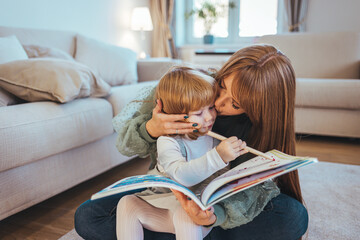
x: 141, y: 21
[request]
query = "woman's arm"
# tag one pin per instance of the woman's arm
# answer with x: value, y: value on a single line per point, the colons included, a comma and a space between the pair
x: 132, y: 137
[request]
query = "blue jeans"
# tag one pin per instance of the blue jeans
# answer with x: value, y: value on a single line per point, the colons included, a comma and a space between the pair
x: 283, y: 218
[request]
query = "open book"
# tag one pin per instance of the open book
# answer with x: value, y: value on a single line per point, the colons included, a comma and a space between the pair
x: 239, y: 178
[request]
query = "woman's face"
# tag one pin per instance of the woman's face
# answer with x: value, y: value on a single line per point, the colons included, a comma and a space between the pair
x: 225, y: 104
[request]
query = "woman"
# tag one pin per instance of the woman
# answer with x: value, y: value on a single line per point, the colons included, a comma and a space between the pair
x: 256, y: 103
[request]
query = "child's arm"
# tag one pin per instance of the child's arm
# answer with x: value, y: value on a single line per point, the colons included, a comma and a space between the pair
x: 187, y: 173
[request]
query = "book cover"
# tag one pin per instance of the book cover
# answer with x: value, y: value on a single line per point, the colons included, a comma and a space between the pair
x: 239, y: 178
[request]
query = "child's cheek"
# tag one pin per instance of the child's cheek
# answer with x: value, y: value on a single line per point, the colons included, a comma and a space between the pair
x: 192, y: 119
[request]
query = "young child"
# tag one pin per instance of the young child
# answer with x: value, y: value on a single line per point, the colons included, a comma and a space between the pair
x: 187, y: 159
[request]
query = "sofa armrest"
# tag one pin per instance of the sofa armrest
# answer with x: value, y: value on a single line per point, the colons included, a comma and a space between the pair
x: 154, y: 68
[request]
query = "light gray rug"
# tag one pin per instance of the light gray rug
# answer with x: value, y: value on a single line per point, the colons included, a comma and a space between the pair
x: 332, y: 196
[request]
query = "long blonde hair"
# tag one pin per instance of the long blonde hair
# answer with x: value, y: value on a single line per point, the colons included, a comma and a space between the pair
x: 184, y: 89
x: 264, y: 85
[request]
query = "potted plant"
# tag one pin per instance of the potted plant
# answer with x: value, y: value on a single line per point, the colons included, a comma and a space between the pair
x: 209, y: 12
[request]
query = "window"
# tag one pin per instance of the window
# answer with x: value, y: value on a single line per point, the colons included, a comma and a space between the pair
x: 219, y: 29
x: 241, y: 24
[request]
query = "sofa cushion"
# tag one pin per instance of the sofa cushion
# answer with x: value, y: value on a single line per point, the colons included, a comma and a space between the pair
x: 327, y: 122
x: 116, y: 65
x: 320, y: 55
x: 51, y: 79
x: 328, y: 93
x: 33, y: 131
x: 122, y: 95
x: 63, y: 40
x: 35, y: 51
x: 11, y: 50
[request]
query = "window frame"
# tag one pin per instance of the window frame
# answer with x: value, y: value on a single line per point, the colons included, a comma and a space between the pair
x: 233, y: 29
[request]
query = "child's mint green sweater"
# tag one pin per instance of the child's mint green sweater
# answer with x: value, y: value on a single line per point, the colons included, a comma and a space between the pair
x: 133, y: 139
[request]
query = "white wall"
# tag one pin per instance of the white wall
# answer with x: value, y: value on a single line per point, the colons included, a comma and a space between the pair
x: 106, y: 20
x: 333, y: 15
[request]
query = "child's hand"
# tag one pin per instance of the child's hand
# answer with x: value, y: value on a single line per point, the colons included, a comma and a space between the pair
x: 231, y: 148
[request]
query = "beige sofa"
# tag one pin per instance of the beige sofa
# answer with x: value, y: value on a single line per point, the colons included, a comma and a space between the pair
x: 327, y: 67
x: 47, y: 147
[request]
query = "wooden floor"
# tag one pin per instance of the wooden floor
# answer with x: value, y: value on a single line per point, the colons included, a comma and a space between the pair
x: 53, y: 218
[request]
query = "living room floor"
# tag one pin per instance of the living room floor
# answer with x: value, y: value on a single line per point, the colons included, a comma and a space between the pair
x: 54, y: 217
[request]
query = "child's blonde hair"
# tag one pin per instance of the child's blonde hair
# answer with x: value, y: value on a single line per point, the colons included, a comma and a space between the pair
x: 184, y: 89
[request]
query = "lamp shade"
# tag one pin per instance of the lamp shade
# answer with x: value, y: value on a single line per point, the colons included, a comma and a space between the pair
x: 141, y: 19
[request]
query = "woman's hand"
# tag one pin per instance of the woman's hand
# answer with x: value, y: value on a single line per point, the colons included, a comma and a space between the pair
x: 230, y: 148
x: 197, y: 215
x: 163, y: 124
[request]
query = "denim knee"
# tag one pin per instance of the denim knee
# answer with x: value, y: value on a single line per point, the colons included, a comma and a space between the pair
x: 92, y: 222
x: 97, y: 219
x: 295, y: 219
x: 81, y: 219
x: 303, y: 219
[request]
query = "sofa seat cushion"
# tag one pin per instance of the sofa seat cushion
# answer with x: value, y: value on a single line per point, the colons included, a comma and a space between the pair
x: 33, y: 131
x: 122, y: 95
x: 328, y: 93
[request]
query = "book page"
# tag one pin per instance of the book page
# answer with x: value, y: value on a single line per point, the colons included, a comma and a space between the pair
x: 244, y: 183
x: 145, y: 181
x: 250, y: 167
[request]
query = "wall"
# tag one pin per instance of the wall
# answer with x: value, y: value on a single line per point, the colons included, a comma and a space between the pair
x: 333, y: 15
x: 106, y: 20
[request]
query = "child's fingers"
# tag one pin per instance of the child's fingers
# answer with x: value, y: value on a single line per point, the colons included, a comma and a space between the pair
x: 240, y: 150
x: 243, y: 151
x: 236, y: 144
x: 232, y: 139
x: 243, y: 145
x: 239, y: 144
